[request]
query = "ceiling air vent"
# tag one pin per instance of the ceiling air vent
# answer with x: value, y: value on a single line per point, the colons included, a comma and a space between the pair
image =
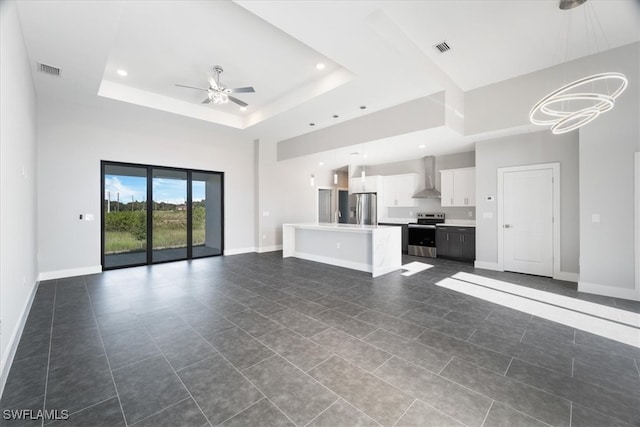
x: 442, y: 47
x: 48, y: 69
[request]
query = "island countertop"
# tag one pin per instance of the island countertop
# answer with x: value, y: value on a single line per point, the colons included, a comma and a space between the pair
x: 338, y: 226
x: 376, y: 249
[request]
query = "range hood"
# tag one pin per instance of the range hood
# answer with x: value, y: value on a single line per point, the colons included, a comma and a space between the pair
x: 429, y: 191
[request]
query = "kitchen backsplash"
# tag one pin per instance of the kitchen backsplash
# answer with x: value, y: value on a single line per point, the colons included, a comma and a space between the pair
x: 432, y: 205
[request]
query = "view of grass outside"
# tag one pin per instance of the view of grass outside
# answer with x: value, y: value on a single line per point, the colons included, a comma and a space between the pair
x: 126, y: 228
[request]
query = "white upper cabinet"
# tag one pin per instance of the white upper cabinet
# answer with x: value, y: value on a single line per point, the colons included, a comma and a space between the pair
x: 458, y: 187
x: 398, y: 190
x: 371, y: 184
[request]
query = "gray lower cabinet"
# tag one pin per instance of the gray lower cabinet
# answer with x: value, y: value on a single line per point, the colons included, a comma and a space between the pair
x: 457, y: 243
x: 405, y: 235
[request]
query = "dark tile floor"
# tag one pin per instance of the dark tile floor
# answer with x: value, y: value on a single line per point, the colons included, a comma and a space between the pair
x: 257, y: 340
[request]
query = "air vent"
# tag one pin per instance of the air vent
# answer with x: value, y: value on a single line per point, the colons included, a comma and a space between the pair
x: 442, y: 47
x: 48, y: 69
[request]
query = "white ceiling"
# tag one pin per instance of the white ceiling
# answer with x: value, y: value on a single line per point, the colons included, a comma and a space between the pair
x: 377, y: 53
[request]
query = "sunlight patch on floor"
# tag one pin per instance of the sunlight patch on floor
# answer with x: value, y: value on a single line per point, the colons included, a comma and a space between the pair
x: 415, y: 267
x: 594, y: 318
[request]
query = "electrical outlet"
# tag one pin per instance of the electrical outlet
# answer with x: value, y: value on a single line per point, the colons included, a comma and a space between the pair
x: 411, y: 213
x: 470, y: 214
x: 338, y: 245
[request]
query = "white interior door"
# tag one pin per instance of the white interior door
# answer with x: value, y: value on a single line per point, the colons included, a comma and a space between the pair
x: 528, y: 221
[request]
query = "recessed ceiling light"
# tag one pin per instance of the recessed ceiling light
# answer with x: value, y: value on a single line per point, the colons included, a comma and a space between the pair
x: 312, y: 124
x: 320, y: 66
x: 363, y: 107
x: 335, y: 116
x: 421, y: 146
x: 364, y: 156
x: 243, y: 108
x: 122, y: 73
x: 321, y: 164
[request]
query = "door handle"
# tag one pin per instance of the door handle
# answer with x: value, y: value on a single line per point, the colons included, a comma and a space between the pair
x: 507, y: 226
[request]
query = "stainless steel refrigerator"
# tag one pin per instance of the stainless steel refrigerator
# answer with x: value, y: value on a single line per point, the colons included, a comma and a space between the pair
x: 364, y: 206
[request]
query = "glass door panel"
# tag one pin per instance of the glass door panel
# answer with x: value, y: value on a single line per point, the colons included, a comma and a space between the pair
x: 206, y: 224
x: 169, y: 215
x: 124, y: 215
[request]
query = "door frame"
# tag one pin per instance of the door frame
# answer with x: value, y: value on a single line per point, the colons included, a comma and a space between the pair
x: 317, y: 200
x: 555, y: 185
x: 149, y: 211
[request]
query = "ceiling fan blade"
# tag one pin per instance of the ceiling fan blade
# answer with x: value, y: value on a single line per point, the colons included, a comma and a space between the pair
x: 237, y: 101
x: 207, y: 100
x: 241, y: 90
x: 191, y: 87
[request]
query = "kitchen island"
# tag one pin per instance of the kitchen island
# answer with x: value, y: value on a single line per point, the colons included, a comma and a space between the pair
x: 376, y: 249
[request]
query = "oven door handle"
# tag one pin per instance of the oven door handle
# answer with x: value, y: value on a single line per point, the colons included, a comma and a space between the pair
x: 422, y: 226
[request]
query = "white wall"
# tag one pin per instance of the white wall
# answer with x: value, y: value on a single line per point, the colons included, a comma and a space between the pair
x: 519, y: 150
x: 607, y: 147
x: 73, y: 139
x: 18, y: 173
x: 286, y: 195
x: 506, y: 104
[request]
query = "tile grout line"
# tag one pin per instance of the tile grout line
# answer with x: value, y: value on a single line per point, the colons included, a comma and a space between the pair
x: 573, y: 362
x: 445, y: 365
x: 243, y: 376
x: 163, y: 409
x: 637, y: 366
x: 179, y: 379
x: 46, y: 378
x: 404, y: 412
x: 113, y: 380
x: 242, y: 410
x: 508, y: 366
x: 484, y: 420
x: 490, y: 398
x: 524, y: 333
x: 323, y: 411
x: 570, y: 413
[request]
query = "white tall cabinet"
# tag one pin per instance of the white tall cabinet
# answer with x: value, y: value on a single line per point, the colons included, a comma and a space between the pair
x: 458, y: 187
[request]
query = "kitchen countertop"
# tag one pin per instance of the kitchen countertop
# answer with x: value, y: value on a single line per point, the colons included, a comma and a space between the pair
x: 338, y: 227
x: 398, y: 221
x: 458, y: 223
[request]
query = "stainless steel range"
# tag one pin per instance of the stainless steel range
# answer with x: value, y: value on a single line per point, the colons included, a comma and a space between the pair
x: 422, y: 235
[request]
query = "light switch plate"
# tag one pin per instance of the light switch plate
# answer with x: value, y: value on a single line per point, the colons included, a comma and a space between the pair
x: 595, y: 217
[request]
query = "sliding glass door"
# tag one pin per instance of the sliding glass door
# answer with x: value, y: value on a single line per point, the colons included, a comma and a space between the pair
x: 169, y: 223
x: 183, y: 220
x: 206, y: 223
x: 124, y: 215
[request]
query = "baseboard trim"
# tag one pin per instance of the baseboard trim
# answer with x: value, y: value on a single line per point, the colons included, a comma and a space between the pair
x: 15, y: 340
x: 487, y: 265
x: 609, y: 291
x: 72, y: 272
x: 567, y: 276
x: 239, y: 251
x: 274, y: 248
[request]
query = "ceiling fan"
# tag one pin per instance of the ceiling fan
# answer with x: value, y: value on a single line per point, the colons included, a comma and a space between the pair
x: 217, y: 93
